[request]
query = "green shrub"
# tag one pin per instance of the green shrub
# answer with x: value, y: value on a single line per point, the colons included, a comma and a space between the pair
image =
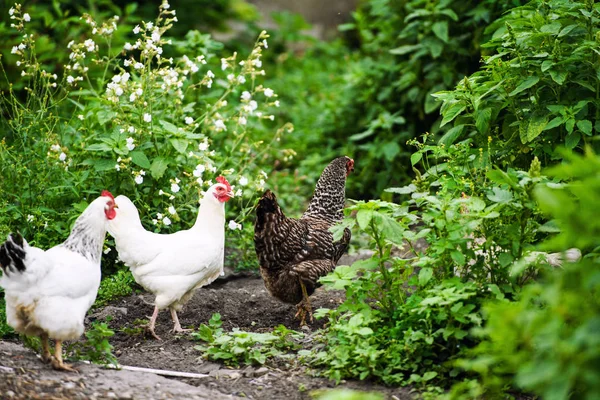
x: 547, y: 341
x: 537, y: 89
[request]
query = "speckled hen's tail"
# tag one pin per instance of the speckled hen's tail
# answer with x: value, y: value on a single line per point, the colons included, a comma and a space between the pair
x: 266, y: 205
x: 12, y: 254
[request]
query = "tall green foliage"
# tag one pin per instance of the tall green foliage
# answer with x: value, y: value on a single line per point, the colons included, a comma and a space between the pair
x: 539, y: 88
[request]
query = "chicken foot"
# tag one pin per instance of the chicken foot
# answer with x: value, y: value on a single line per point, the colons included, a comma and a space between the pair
x: 177, y: 326
x: 152, y: 324
x: 304, y: 306
x: 57, y: 360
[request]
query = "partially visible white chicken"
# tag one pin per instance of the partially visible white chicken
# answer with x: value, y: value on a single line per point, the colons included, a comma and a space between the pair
x: 172, y: 266
x: 49, y: 292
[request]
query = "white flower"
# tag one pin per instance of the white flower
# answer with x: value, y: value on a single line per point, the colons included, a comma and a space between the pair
x: 139, y: 179
x: 234, y: 225
x: 22, y: 46
x: 108, y: 249
x: 199, y: 170
x: 131, y: 129
x: 138, y: 65
x: 11, y: 11
x: 159, y: 216
x: 136, y: 30
x: 269, y: 92
x: 165, y: 5
x: 62, y: 156
x: 238, y: 193
x: 117, y: 167
x: 272, y: 117
x: 172, y: 210
x: 166, y: 221
x: 142, y: 172
x: 70, y: 79
x: 243, y: 181
x: 212, y: 168
x: 155, y: 35
x: 203, y: 146
x: 80, y: 116
x: 55, y: 147
x: 242, y: 121
x: 132, y: 97
x: 89, y: 45
x: 127, y: 46
x: 155, y: 221
x: 118, y: 90
x: 175, y: 188
x: 223, y: 64
x: 14, y: 50
x: 147, y: 117
x: 253, y: 105
x: 276, y: 103
x: 246, y: 95
x: 200, y: 181
x: 241, y: 79
x: 265, y: 44
x: 189, y: 120
x: 29, y: 217
x: 26, y: 17
x: 149, y: 25
x: 130, y: 145
x: 139, y: 92
x: 220, y: 125
x: 210, y: 74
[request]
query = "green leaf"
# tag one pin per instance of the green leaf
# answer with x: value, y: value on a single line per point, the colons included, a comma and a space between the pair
x: 500, y: 195
x: 158, y: 167
x: 458, y: 257
x: 536, y: 126
x: 391, y: 150
x: 556, y: 121
x: 567, y: 29
x: 169, y: 127
x: 429, y: 375
x: 452, y: 113
x: 140, y: 159
x: 572, y: 140
x: 558, y: 76
x: 363, y: 218
x: 402, y: 190
x: 99, y: 147
x: 585, y: 126
x: 451, y: 136
x: 405, y: 49
x: 440, y: 29
x: 552, y: 28
x: 546, y: 65
x: 482, y: 120
x: 416, y: 157
x: 105, y: 115
x: 179, y: 144
x: 526, y: 84
x: 425, y: 275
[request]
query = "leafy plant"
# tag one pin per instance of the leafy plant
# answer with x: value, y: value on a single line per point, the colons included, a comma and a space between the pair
x: 240, y: 347
x: 114, y: 286
x: 538, y: 87
x: 96, y: 348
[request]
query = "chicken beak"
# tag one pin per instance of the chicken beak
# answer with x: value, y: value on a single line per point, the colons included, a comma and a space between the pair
x: 230, y: 194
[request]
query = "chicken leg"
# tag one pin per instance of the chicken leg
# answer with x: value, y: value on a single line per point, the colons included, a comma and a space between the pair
x: 46, y: 356
x: 177, y: 326
x: 304, y: 306
x: 57, y: 361
x: 152, y: 324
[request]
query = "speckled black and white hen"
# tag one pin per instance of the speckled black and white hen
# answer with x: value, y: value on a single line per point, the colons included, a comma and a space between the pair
x: 294, y: 253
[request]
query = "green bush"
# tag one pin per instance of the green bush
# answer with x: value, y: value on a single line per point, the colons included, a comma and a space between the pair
x: 547, y: 341
x: 537, y: 89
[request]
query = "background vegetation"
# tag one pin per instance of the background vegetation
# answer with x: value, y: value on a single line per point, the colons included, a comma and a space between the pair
x: 473, y: 124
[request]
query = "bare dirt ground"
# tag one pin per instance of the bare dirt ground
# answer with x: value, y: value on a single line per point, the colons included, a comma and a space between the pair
x: 242, y: 302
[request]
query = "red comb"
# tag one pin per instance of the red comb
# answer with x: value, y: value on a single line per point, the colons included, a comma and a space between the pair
x: 107, y: 194
x: 221, y: 179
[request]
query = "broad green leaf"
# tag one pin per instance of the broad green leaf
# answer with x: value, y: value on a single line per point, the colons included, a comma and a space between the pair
x: 552, y: 28
x: 101, y: 164
x: 429, y: 375
x: 567, y: 29
x: 140, y: 159
x: 500, y: 195
x: 392, y: 230
x: 416, y: 157
x: 558, y: 76
x: 451, y: 136
x: 425, y: 275
x: 169, y: 127
x: 458, y: 257
x: 440, y: 29
x: 572, y: 140
x: 526, y: 84
x: 158, y: 167
x: 536, y: 126
x: 585, y: 126
x: 104, y: 116
x: 452, y: 113
x: 179, y: 144
x: 556, y: 121
x: 546, y: 65
x: 405, y: 49
x: 391, y: 150
x: 363, y: 218
x: 99, y: 147
x: 482, y: 120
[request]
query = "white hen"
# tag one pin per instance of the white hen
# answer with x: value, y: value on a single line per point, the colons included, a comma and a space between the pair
x: 49, y: 292
x: 172, y: 266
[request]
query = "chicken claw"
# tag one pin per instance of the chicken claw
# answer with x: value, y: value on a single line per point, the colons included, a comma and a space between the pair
x: 177, y: 326
x: 46, y: 356
x: 57, y: 360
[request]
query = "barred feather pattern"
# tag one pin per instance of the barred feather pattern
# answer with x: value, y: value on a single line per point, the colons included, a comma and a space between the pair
x: 292, y: 250
x: 12, y: 254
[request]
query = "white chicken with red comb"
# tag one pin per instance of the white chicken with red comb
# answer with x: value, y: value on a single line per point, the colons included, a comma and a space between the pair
x: 49, y: 292
x: 172, y: 266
